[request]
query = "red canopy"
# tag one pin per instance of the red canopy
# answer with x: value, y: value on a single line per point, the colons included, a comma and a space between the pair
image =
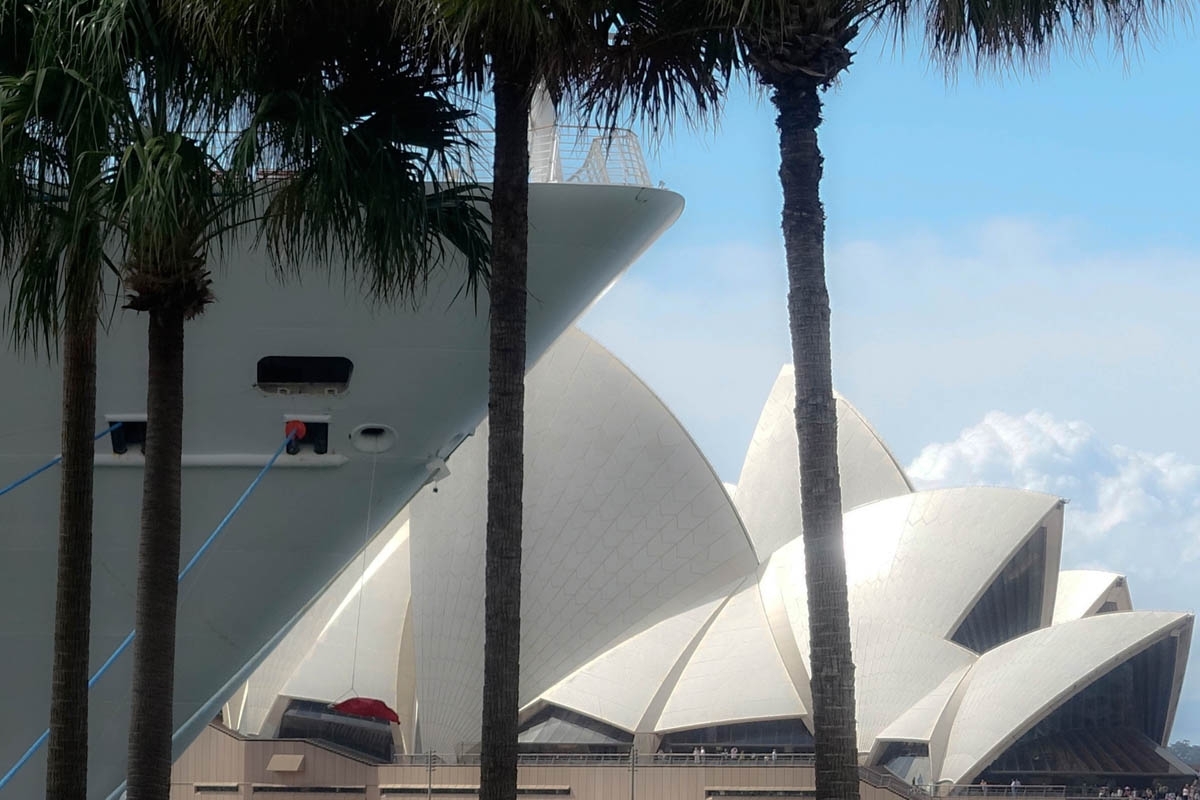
x: 367, y: 707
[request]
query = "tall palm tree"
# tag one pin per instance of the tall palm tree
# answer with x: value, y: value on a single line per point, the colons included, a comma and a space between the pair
x: 795, y: 84
x: 49, y: 241
x: 188, y: 140
x: 509, y: 47
x: 797, y: 50
x: 513, y: 47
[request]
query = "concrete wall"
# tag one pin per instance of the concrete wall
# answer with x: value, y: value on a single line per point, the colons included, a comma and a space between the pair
x: 223, y: 766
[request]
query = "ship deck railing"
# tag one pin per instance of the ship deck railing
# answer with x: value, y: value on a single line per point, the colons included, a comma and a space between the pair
x: 621, y: 759
x: 557, y: 154
x: 565, y: 154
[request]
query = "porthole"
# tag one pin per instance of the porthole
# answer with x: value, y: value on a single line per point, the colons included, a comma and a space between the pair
x: 373, y: 438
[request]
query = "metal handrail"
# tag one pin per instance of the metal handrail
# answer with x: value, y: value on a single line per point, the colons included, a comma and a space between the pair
x: 727, y: 760
x: 566, y: 154
x: 1000, y: 791
x: 882, y: 778
x: 557, y: 154
x: 618, y: 759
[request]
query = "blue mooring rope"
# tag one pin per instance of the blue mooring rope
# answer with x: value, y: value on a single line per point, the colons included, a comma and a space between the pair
x: 52, y: 462
x: 124, y: 645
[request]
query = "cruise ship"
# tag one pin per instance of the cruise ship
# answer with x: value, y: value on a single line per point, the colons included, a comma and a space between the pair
x: 387, y: 395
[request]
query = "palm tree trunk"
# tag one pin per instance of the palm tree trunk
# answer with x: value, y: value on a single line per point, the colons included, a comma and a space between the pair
x: 506, y: 432
x: 66, y: 765
x: 151, y: 725
x: 799, y: 108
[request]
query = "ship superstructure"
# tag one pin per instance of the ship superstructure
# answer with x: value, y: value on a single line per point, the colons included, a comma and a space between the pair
x: 387, y: 394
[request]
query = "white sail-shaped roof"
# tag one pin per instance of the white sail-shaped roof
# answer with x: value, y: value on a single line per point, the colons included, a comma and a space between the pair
x: 735, y: 674
x: 919, y: 722
x: 924, y: 559
x: 621, y: 686
x: 626, y: 524
x: 1018, y: 683
x: 646, y: 609
x: 313, y: 659
x: 768, y: 490
x: 359, y: 649
x: 867, y: 468
x: 1083, y: 592
x: 915, y: 564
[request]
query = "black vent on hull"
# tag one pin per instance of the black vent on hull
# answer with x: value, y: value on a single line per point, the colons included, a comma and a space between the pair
x: 304, y: 374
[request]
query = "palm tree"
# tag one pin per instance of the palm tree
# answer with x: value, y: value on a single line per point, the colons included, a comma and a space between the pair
x: 797, y: 50
x: 566, y: 47
x: 180, y: 180
x: 49, y: 239
x: 795, y: 94
x: 508, y: 49
x: 511, y: 47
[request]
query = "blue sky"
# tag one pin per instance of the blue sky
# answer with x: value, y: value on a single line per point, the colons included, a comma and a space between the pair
x: 1009, y: 258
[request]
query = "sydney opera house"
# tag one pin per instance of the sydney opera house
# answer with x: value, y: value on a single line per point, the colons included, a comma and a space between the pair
x: 662, y: 610
x: 666, y: 611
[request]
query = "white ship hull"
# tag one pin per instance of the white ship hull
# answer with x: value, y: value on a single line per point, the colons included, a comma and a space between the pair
x: 422, y: 372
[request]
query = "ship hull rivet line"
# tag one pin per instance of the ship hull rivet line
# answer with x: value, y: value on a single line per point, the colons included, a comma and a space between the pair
x: 121, y: 648
x: 53, y: 462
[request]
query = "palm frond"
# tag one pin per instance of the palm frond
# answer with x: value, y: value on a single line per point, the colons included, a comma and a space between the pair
x: 352, y: 186
x: 345, y: 120
x: 35, y: 299
x: 140, y: 137
x: 663, y: 61
x: 16, y: 36
x: 553, y: 40
x: 49, y: 244
x: 457, y: 216
x: 1014, y: 34
x: 1022, y: 33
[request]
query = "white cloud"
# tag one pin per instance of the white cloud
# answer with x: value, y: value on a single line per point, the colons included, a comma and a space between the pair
x: 931, y: 328
x: 1140, y: 509
x: 1130, y: 511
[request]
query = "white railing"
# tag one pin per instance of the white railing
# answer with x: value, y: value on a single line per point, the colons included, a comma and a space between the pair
x: 882, y: 778
x: 620, y: 759
x: 567, y: 154
x: 998, y: 791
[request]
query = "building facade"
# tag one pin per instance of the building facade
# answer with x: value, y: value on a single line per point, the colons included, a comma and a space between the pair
x: 666, y: 612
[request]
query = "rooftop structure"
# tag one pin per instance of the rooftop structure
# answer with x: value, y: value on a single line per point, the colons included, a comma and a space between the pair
x: 664, y: 612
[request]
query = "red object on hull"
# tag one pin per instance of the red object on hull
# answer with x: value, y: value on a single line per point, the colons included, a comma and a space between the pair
x: 368, y: 708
